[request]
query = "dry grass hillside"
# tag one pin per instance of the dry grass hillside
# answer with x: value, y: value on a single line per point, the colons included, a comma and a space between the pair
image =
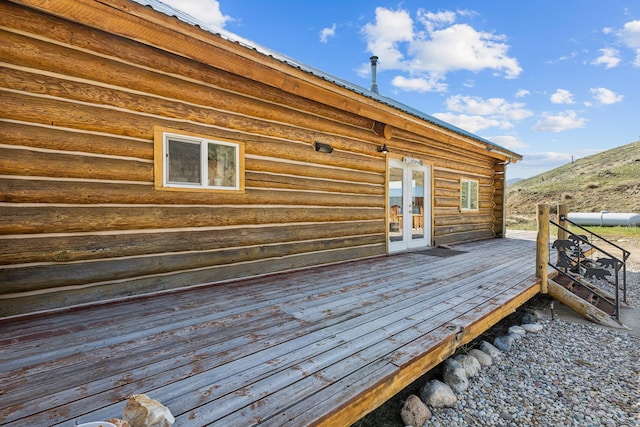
x: 605, y: 181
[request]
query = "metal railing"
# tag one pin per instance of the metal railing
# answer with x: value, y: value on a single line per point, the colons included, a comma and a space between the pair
x: 575, y: 258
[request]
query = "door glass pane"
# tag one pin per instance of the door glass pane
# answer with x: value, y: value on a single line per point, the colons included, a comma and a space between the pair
x: 417, y: 204
x: 395, y: 204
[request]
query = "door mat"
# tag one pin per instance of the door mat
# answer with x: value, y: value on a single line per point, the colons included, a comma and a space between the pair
x: 440, y: 252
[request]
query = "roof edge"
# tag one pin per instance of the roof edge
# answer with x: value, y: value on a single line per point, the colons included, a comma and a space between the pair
x: 168, y: 10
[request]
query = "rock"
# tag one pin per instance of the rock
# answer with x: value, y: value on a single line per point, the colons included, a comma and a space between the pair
x: 118, y: 422
x: 142, y: 411
x: 415, y: 412
x: 437, y: 394
x: 504, y: 343
x: 455, y: 376
x: 470, y: 364
x: 532, y: 327
x: 519, y: 330
x: 490, y: 349
x: 532, y: 316
x: 516, y: 337
x: 483, y: 358
x: 506, y: 416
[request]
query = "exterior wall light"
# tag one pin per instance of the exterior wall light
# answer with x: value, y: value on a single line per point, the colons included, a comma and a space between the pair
x: 322, y: 148
x: 383, y: 149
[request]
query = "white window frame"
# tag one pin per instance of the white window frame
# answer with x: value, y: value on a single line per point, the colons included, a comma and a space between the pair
x: 165, y: 136
x: 467, y: 187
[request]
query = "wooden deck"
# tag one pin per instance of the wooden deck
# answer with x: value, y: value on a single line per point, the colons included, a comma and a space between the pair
x: 315, y: 347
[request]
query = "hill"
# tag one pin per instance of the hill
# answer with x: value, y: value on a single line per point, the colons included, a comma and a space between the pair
x: 605, y: 181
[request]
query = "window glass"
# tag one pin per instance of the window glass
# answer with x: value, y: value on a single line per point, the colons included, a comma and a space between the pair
x: 221, y: 165
x: 468, y: 195
x: 464, y: 195
x: 473, y: 195
x: 190, y: 161
x: 184, y: 162
x: 396, y: 202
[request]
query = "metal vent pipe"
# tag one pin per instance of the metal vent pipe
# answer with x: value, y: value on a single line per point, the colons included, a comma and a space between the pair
x: 374, y: 84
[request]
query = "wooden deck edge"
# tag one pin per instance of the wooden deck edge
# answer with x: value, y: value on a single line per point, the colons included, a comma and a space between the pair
x: 474, y: 330
x: 351, y: 411
x: 386, y: 388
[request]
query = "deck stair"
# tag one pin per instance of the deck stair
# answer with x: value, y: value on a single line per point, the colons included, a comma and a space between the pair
x: 586, y: 276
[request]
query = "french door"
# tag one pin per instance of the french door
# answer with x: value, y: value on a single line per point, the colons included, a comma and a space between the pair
x: 409, y: 205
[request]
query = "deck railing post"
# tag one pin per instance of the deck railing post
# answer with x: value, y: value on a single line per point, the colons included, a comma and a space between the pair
x: 563, y: 213
x: 542, y: 247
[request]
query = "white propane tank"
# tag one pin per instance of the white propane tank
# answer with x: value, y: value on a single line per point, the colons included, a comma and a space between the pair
x: 605, y: 219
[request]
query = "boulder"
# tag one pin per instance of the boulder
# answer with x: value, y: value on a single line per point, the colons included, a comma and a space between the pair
x: 490, y: 349
x: 532, y: 316
x: 414, y: 412
x: 504, y: 343
x: 470, y: 364
x: 516, y: 337
x: 455, y: 376
x: 437, y: 394
x: 532, y: 327
x: 483, y: 358
x: 142, y: 411
x: 519, y: 330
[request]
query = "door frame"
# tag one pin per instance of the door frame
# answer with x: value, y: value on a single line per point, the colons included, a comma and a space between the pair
x: 408, y: 166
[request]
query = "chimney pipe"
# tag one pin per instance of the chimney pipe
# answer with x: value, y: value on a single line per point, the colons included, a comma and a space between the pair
x: 374, y: 85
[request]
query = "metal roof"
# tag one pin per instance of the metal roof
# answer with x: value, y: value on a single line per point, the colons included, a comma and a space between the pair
x: 171, y: 11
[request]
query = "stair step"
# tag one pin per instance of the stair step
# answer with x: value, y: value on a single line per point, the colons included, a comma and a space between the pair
x: 606, y: 306
x: 585, y: 294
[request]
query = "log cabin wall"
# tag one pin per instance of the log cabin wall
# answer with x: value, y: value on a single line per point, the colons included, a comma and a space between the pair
x: 80, y: 219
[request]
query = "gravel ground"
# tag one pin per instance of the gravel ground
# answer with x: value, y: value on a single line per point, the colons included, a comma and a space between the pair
x: 567, y: 375
x: 573, y: 373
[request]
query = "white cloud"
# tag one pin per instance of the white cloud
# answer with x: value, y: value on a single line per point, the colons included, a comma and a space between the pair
x: 540, y: 162
x: 471, y: 124
x: 419, y: 84
x: 474, y: 113
x: 562, y: 96
x: 325, y: 33
x: 461, y: 47
x: 605, y: 96
x: 548, y: 159
x: 559, y: 122
x: 385, y: 36
x: 497, y: 108
x: 441, y: 46
x: 630, y: 36
x: 207, y: 11
x: 553, y: 159
x: 522, y: 93
x: 432, y: 20
x: 508, y: 141
x: 609, y: 57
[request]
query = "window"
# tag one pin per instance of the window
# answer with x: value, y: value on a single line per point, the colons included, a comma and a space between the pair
x: 196, y: 162
x: 468, y: 195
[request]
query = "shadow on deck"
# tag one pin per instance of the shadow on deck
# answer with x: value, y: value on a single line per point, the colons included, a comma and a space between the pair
x: 316, y: 347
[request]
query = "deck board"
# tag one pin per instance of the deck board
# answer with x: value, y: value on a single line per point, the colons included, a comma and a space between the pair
x: 299, y: 348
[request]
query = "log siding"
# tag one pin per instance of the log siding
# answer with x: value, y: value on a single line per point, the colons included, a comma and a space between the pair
x: 83, y: 86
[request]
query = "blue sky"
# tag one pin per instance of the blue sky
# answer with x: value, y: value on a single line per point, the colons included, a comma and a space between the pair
x: 551, y: 80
